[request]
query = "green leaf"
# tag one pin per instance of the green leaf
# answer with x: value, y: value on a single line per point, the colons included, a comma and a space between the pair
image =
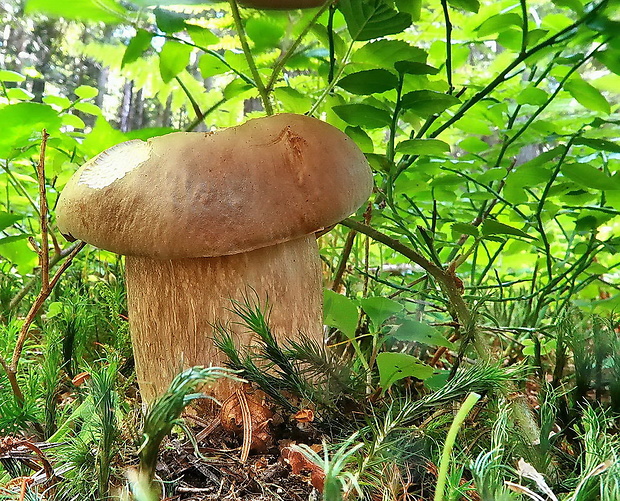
x: 173, y: 59
x: 363, y: 115
x: 411, y: 7
x: 19, y: 94
x: 136, y: 47
x: 293, y: 100
x: 62, y: 102
x: 465, y: 229
x: 532, y: 95
x: 379, y: 309
x: 369, y: 82
x: 106, y: 11
x: 588, y: 176
x: 11, y: 76
x: 340, y: 312
x: 86, y: 92
x: 265, y: 32
x: 363, y: 140
x: 493, y: 227
x: 468, y: 5
x: 428, y: 102
x: 386, y: 53
x: 169, y: 21
x: 89, y: 108
x: 432, y: 147
x: 201, y: 36
x: 367, y: 19
x: 17, y: 251
x: 236, y: 87
x: 210, y: 66
x: 54, y: 309
x: 415, y: 68
x: 21, y: 121
x: 611, y: 59
x: 587, y: 95
x: 396, y: 366
x: 498, y: 23
x: 7, y: 219
x: 599, y: 144
x: 417, y: 332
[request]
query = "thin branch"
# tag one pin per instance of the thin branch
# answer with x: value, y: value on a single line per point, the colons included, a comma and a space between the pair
x: 448, y: 23
x: 33, y: 281
x: 44, y: 254
x: 250, y: 59
x: 194, y: 103
x: 344, y: 257
x: 448, y: 282
x: 36, y: 306
x: 293, y: 47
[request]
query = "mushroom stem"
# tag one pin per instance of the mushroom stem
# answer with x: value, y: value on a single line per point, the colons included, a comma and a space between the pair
x: 173, y: 305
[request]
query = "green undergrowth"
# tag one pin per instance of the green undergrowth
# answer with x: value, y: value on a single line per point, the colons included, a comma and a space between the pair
x: 382, y: 436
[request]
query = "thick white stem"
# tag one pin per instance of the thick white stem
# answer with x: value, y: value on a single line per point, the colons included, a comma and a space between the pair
x: 173, y: 305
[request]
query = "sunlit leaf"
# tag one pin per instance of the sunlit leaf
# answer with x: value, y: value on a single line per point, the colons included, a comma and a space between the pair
x: 498, y: 23
x: 11, y: 76
x: 428, y: 102
x: 7, y: 219
x: 368, y: 19
x: 468, y: 5
x: 423, y: 147
x: 589, y: 176
x: 173, y: 59
x: 265, y: 32
x: 363, y: 115
x: 137, y: 46
x: 587, y: 95
x: 369, y: 82
x: 361, y: 138
x: 86, y: 92
x: 202, y: 37
x: 106, y: 11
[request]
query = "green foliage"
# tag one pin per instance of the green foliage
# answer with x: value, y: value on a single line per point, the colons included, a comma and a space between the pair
x: 492, y: 129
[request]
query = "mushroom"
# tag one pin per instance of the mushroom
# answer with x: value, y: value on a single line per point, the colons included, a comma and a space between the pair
x: 204, y: 217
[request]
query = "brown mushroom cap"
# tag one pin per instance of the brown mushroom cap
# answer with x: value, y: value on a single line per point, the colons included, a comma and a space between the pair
x: 194, y: 194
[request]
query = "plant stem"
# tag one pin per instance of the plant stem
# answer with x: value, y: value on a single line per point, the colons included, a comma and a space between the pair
x: 332, y: 84
x: 293, y: 47
x: 448, y: 282
x: 444, y: 464
x: 264, y: 95
x: 446, y: 16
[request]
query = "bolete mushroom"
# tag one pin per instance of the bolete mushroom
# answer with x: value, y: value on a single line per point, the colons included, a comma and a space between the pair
x: 204, y: 217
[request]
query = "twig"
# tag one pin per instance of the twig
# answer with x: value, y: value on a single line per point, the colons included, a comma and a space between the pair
x: 448, y: 23
x: 32, y: 282
x: 293, y: 47
x: 44, y: 254
x: 342, y: 264
x: 46, y: 285
x: 250, y: 60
